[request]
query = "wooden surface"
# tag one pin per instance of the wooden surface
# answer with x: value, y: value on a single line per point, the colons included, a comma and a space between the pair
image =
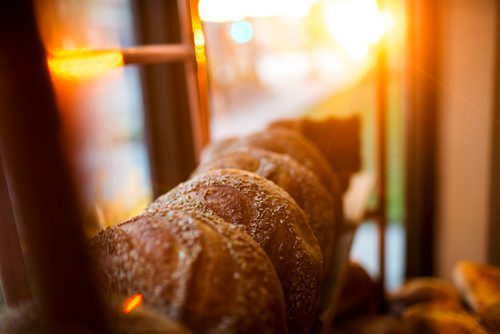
x: 494, y: 228
x: 161, y: 53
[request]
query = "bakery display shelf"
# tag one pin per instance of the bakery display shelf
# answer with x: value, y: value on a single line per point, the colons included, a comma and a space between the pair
x: 355, y: 202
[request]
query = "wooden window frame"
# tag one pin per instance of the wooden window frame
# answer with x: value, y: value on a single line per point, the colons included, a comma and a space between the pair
x: 47, y: 209
x: 494, y: 214
x: 421, y: 133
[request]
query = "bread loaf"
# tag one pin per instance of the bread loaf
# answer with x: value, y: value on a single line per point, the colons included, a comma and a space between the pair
x: 358, y: 294
x: 283, y: 141
x: 273, y: 219
x: 424, y: 290
x: 370, y: 324
x: 213, y: 149
x: 299, y: 182
x: 201, y: 271
x: 27, y: 319
x: 432, y: 318
x: 480, y: 287
x: 337, y: 138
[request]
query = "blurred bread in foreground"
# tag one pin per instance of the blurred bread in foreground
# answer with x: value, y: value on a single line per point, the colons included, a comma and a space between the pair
x: 370, y: 324
x: 358, y: 294
x: 479, y: 285
x: 437, y: 318
x: 424, y: 290
x: 197, y: 270
x: 26, y: 318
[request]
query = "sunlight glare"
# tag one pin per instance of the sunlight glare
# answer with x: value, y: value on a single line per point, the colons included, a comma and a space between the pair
x: 356, y: 24
x: 236, y: 10
x: 132, y: 303
x: 82, y: 64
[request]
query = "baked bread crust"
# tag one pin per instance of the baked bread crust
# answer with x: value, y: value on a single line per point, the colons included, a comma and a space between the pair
x: 440, y: 318
x: 282, y: 141
x: 201, y: 271
x: 26, y: 318
x: 424, y: 290
x: 337, y: 138
x: 273, y: 219
x: 299, y: 182
x: 480, y: 287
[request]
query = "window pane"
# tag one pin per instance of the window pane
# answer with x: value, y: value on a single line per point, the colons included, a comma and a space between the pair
x: 101, y: 104
x: 277, y: 59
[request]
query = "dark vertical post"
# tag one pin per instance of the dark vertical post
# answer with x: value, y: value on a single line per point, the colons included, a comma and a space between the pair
x: 381, y: 122
x: 46, y: 205
x: 421, y: 136
x: 166, y: 102
x: 494, y: 229
x: 13, y: 276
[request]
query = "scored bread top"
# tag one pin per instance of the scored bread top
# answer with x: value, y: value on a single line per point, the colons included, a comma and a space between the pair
x: 196, y: 269
x: 273, y: 219
x: 298, y: 181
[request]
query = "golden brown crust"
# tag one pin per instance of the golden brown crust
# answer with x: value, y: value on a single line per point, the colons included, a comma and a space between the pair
x: 299, y: 182
x: 213, y: 149
x: 435, y: 318
x: 337, y: 138
x: 273, y: 219
x: 425, y: 290
x: 283, y: 141
x: 480, y: 287
x: 358, y: 294
x: 200, y: 271
x: 370, y: 324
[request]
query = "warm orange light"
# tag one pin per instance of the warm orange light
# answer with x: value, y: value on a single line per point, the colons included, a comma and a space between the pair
x: 199, y: 44
x: 356, y: 24
x: 132, y: 302
x: 199, y: 39
x: 83, y: 64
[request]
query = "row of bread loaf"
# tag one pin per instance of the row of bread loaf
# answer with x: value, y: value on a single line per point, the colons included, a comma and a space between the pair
x: 243, y: 246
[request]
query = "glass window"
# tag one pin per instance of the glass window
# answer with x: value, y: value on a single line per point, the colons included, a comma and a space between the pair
x: 312, y: 58
x: 100, y: 103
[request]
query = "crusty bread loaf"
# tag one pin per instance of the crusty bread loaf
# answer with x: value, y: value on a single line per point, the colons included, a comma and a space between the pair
x: 283, y: 141
x: 358, y: 294
x: 26, y: 319
x: 337, y: 138
x: 369, y: 324
x: 273, y: 219
x: 479, y: 285
x: 198, y: 270
x: 213, y: 149
x: 299, y: 182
